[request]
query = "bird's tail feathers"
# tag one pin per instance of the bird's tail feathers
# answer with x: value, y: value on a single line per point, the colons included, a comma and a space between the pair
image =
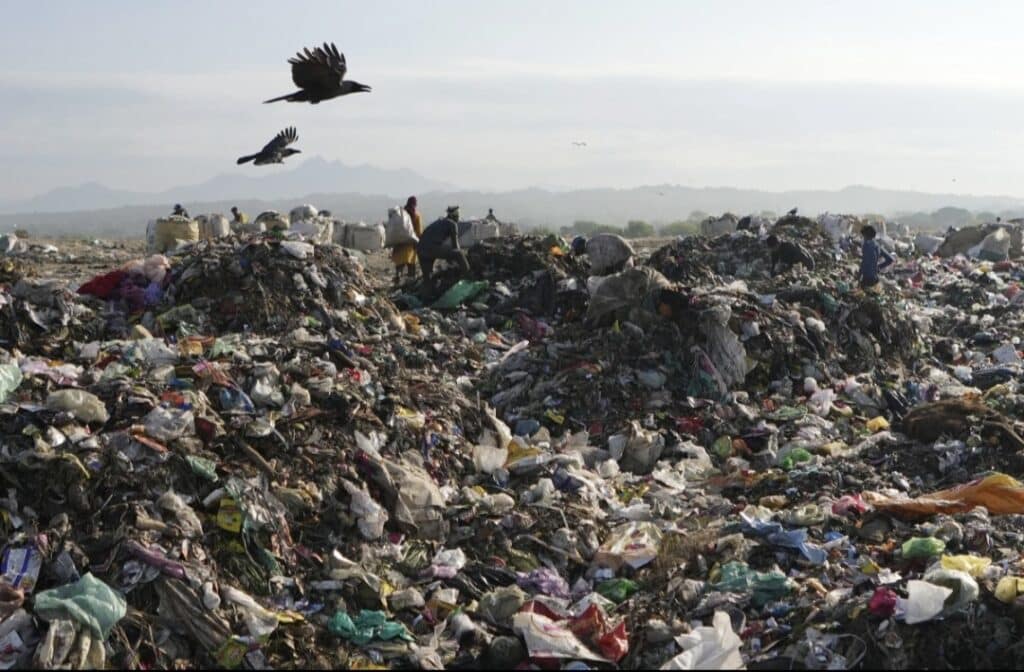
x: 247, y: 159
x: 287, y: 96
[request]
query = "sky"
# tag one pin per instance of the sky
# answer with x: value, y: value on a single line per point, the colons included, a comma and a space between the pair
x: 491, y: 95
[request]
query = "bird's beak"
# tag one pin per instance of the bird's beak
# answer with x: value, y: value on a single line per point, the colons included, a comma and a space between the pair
x: 298, y: 151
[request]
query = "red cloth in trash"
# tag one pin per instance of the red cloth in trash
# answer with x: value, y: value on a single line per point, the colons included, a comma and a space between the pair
x: 103, y: 286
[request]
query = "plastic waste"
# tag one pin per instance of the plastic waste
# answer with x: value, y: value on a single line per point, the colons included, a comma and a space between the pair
x: 923, y: 547
x: 459, y: 293
x: 883, y: 602
x: 371, y: 515
x: 924, y: 602
x: 368, y: 626
x: 617, y: 590
x: 877, y: 424
x: 1009, y: 589
x: 972, y: 565
x: 10, y: 379
x: 964, y: 589
x: 88, y: 601
x: 635, y: 544
x: 765, y: 586
x: 85, y: 406
x: 709, y: 648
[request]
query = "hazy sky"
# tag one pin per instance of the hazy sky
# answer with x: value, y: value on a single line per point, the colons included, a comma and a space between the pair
x: 771, y: 95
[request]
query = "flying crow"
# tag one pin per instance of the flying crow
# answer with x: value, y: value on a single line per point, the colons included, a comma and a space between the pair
x: 274, y: 151
x: 577, y: 143
x: 320, y: 76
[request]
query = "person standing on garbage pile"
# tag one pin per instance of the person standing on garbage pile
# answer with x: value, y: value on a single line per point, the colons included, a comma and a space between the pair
x: 869, y: 252
x: 180, y: 211
x: 404, y: 256
x: 440, y: 240
x: 490, y: 216
x: 238, y: 217
x: 608, y: 253
x: 788, y: 254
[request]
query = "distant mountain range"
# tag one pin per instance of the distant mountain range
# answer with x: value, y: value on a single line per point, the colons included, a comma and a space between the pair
x: 312, y: 176
x: 365, y: 192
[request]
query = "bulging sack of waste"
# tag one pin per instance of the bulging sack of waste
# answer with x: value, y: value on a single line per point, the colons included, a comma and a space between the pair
x: 271, y: 219
x: 362, y: 237
x: 606, y: 250
x: 214, y: 226
x: 399, y: 229
x: 300, y: 212
x: 319, y: 230
x: 168, y: 231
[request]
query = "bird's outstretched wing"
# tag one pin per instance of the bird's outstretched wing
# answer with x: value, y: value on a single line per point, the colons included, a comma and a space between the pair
x: 281, y: 140
x: 321, y: 68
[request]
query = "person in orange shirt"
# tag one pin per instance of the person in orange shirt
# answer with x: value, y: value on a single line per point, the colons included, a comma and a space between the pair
x: 405, y: 255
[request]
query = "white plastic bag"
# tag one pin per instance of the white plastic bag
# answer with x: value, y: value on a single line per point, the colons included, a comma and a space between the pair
x: 709, y: 648
x: 399, y: 229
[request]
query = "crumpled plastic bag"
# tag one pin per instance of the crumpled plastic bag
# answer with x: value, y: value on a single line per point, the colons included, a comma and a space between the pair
x: 714, y: 647
x: 371, y: 515
x: 366, y: 627
x: 10, y: 379
x: 774, y: 534
x: 88, y: 601
x: 924, y: 602
x: 85, y: 406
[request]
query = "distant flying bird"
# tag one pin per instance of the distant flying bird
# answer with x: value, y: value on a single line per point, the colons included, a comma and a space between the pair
x: 320, y: 75
x: 276, y: 150
x: 791, y: 213
x: 577, y: 143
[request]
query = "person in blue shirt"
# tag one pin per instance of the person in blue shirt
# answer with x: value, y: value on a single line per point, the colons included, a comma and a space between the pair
x: 870, y: 251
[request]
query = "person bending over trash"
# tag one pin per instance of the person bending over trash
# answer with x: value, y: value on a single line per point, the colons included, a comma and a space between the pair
x: 440, y: 240
x: 404, y: 256
x: 180, y: 211
x: 788, y: 254
x: 869, y: 252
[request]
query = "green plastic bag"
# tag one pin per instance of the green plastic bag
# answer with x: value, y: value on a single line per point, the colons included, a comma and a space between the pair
x: 10, y: 379
x: 616, y: 590
x: 202, y: 466
x: 367, y: 627
x: 923, y: 547
x: 737, y: 577
x: 795, y: 457
x: 459, y: 293
x: 88, y: 601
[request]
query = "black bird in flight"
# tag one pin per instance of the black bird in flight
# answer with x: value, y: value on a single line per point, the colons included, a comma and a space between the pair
x: 577, y: 143
x: 320, y: 75
x: 276, y: 150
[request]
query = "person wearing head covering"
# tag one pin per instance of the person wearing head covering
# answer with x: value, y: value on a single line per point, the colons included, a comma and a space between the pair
x: 440, y: 240
x: 490, y: 216
x: 404, y: 255
x: 237, y: 216
x: 788, y: 254
x: 180, y: 211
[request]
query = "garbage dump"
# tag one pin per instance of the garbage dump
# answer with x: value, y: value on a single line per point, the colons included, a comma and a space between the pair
x: 256, y: 452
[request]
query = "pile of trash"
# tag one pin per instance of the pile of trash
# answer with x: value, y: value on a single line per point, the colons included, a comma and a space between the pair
x: 256, y: 452
x: 743, y: 254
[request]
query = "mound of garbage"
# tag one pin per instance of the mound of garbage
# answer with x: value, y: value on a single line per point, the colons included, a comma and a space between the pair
x: 257, y: 453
